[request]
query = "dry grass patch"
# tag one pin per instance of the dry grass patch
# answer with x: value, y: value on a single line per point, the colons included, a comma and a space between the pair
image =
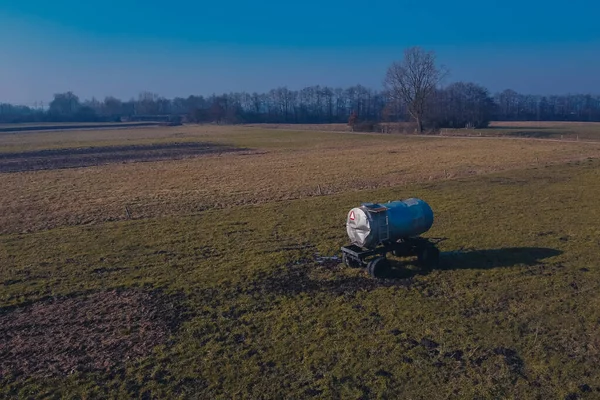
x: 567, y: 131
x: 32, y: 141
x: 305, y: 127
x: 292, y: 165
x: 544, y: 124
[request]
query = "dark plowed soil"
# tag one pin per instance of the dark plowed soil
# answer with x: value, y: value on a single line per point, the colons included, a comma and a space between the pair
x: 29, y: 128
x: 97, y: 332
x: 89, y: 156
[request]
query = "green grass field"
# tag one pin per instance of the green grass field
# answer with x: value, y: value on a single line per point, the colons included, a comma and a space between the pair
x: 223, y: 288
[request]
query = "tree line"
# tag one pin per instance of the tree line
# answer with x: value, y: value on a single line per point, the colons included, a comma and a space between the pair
x: 413, y: 91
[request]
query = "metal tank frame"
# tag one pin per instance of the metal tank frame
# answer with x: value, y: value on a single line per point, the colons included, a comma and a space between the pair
x: 374, y: 259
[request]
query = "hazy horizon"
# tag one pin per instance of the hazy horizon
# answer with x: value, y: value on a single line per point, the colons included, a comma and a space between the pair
x: 97, y: 51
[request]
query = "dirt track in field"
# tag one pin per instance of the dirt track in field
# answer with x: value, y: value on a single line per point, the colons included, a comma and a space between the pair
x: 90, y: 156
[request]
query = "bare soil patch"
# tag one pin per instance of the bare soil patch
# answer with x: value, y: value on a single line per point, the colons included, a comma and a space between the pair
x: 90, y: 156
x: 67, y: 126
x: 96, y: 332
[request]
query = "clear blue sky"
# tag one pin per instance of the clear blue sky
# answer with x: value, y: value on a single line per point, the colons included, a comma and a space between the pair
x: 199, y: 47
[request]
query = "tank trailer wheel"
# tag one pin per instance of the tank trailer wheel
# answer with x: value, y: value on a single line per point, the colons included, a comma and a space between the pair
x: 428, y: 257
x: 378, y: 267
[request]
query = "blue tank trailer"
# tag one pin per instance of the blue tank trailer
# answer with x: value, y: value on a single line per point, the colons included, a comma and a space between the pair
x: 377, y: 229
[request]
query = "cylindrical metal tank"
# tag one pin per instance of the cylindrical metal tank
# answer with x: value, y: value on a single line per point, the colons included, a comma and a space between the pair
x: 372, y: 224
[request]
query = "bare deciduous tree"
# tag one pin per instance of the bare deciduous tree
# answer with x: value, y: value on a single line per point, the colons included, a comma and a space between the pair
x: 413, y: 81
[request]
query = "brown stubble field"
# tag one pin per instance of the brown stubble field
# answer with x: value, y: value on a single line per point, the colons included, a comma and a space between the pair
x: 275, y: 167
x: 546, y: 124
x: 553, y: 130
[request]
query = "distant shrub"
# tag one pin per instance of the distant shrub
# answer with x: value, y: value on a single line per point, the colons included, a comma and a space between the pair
x: 368, y: 126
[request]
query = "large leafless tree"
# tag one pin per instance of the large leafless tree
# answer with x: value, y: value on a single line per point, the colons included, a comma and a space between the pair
x: 413, y: 81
